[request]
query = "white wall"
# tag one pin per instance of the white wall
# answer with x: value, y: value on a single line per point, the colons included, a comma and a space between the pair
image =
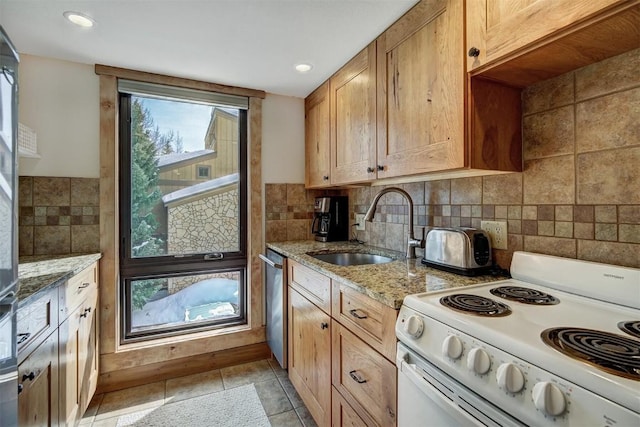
x: 60, y: 101
x: 282, y: 140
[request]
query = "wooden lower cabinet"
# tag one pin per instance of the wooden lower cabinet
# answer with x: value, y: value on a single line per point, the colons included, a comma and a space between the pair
x: 38, y: 385
x: 341, y: 351
x: 363, y: 376
x: 78, y: 359
x: 310, y: 356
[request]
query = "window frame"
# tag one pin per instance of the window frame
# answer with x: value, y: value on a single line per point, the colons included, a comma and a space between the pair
x: 203, y: 167
x: 176, y: 265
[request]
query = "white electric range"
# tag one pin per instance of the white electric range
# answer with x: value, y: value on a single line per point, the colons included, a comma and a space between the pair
x: 558, y: 344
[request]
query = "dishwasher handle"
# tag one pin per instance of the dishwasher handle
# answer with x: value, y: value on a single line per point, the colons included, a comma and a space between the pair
x: 269, y: 262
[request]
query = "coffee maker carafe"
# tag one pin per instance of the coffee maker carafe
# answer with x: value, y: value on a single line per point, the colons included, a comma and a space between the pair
x: 331, y: 219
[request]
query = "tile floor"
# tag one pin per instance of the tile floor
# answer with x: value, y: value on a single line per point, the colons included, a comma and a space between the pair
x: 279, y: 399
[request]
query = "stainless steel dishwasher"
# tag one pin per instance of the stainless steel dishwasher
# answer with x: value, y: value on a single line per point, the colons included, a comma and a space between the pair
x: 276, y: 302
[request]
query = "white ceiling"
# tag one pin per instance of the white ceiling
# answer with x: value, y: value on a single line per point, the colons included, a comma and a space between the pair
x: 247, y: 43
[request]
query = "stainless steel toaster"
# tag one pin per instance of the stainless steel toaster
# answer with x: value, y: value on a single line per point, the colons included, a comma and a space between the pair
x: 459, y: 250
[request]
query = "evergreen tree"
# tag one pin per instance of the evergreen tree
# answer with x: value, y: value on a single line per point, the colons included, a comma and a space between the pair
x: 145, y: 194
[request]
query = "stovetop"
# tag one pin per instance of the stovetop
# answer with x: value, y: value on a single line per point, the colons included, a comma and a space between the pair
x: 519, y: 328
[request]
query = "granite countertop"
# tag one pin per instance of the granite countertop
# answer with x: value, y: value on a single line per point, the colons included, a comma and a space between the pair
x: 36, y: 273
x: 388, y: 283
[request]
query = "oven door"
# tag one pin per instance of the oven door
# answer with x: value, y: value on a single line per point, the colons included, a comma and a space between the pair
x: 426, y: 393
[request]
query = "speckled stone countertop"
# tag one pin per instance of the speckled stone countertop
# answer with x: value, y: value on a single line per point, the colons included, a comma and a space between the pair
x: 36, y: 273
x: 388, y: 283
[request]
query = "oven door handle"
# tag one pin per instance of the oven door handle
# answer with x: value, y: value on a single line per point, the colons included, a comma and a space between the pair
x: 411, y: 372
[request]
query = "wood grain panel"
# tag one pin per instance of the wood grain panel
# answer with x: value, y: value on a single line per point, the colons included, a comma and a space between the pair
x: 255, y: 238
x: 317, y: 141
x: 109, y: 218
x: 38, y: 401
x: 369, y: 319
x: 353, y: 119
x: 495, y: 123
x: 343, y: 414
x: 123, y: 73
x: 421, y: 91
x: 312, y: 285
x: 310, y: 356
x: 363, y: 376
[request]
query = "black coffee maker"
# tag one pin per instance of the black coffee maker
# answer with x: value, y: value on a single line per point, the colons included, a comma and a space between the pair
x: 331, y: 219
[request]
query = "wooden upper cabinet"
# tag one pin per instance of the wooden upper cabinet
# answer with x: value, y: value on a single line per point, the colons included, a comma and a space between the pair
x: 316, y: 109
x: 353, y: 119
x: 421, y: 89
x: 549, y: 37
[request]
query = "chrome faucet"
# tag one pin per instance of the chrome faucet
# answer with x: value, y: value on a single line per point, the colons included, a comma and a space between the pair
x: 412, y: 242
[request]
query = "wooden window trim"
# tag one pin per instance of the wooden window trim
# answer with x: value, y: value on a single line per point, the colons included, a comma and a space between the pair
x: 115, y: 357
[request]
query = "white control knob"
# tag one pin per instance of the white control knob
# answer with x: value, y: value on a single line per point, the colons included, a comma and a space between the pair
x: 414, y: 326
x: 510, y: 377
x: 452, y: 347
x: 549, y: 398
x: 478, y: 361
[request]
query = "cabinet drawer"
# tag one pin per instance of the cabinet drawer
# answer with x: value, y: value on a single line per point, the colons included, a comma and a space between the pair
x: 312, y: 285
x: 369, y: 319
x: 365, y: 378
x: 343, y: 414
x: 77, y: 289
x: 36, y: 321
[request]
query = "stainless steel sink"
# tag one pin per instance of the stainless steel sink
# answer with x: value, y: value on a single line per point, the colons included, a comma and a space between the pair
x: 351, y: 258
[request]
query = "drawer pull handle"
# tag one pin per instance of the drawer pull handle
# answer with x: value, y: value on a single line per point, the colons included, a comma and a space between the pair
x: 86, y: 311
x: 84, y: 285
x: 324, y: 325
x: 357, y: 378
x: 23, y: 337
x: 20, y: 387
x: 354, y: 313
x: 29, y: 377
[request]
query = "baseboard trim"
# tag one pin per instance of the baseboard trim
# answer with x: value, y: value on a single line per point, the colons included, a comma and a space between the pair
x: 146, y: 374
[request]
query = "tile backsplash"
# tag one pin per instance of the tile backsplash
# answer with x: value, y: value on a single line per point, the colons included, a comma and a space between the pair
x: 58, y: 215
x: 579, y: 194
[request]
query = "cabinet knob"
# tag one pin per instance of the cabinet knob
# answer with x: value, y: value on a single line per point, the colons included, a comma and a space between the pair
x: 380, y: 167
x: 474, y: 52
x: 370, y: 170
x: 20, y: 387
x: 324, y: 325
x: 325, y: 177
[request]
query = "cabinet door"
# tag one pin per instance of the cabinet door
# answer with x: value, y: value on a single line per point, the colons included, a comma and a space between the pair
x: 69, y: 351
x: 421, y: 89
x: 38, y: 376
x: 316, y: 113
x: 499, y: 28
x: 310, y: 356
x: 353, y: 119
x: 88, y: 350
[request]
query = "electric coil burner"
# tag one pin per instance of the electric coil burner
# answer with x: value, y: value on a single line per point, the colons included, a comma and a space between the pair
x: 524, y: 295
x: 632, y: 328
x: 473, y: 304
x: 564, y: 352
x: 613, y: 353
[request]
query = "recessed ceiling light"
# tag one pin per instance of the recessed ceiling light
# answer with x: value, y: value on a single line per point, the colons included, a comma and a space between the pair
x: 303, y: 67
x: 79, y: 19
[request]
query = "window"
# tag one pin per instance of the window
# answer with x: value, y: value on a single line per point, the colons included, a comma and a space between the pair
x: 204, y: 171
x: 183, y: 211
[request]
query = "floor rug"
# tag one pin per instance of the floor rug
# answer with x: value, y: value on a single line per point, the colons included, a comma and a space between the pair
x: 234, y: 407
